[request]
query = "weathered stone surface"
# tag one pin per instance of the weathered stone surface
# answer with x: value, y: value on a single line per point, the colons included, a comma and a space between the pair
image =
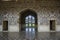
x: 47, y: 10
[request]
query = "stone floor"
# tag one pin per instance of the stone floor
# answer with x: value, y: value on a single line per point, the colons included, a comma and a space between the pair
x: 29, y: 36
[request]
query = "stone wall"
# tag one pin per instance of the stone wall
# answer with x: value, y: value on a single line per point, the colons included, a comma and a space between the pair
x: 46, y: 10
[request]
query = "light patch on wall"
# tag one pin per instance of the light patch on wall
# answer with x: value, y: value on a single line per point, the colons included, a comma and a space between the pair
x: 6, y: 0
x: 16, y: 0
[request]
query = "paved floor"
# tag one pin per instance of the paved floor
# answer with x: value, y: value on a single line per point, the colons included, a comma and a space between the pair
x: 29, y: 36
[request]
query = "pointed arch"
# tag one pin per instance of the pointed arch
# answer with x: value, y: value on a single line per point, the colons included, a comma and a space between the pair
x: 24, y: 14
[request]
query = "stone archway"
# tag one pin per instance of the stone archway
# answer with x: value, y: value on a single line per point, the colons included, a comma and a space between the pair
x: 23, y: 15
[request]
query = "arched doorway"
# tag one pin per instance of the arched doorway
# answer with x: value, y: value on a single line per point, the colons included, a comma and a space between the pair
x: 28, y: 20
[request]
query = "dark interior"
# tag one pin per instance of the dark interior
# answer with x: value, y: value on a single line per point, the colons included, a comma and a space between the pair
x: 5, y: 25
x: 52, y: 24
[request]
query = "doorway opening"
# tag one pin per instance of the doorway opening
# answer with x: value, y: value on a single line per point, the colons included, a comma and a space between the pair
x: 28, y: 20
x: 5, y: 25
x: 30, y: 23
x: 52, y: 25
